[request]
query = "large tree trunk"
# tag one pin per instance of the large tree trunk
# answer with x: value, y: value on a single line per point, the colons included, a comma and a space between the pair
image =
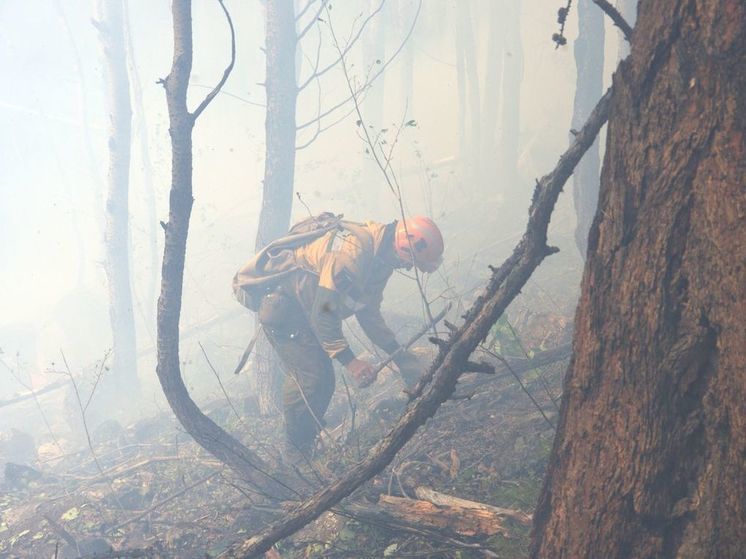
x: 589, y: 61
x: 649, y: 457
x: 279, y: 168
x: 117, y: 249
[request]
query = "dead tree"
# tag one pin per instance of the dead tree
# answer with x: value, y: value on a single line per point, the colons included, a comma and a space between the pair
x: 453, y: 358
x: 111, y: 34
x: 649, y: 456
x: 589, y: 61
x: 204, y: 431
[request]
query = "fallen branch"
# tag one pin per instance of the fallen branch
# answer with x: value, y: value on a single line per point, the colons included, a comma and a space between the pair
x: 503, y: 287
x: 437, y: 498
x: 452, y: 521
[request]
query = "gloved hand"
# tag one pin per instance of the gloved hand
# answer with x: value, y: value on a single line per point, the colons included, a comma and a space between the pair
x: 410, y: 366
x: 362, y: 372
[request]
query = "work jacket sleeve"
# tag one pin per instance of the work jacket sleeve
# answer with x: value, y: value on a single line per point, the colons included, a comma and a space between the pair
x: 326, y: 321
x: 373, y: 324
x: 331, y: 305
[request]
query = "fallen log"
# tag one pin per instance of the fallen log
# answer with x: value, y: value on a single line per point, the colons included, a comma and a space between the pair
x: 450, y: 521
x: 437, y: 498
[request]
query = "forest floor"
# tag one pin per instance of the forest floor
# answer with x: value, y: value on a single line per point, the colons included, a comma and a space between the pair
x: 150, y: 491
x: 154, y: 492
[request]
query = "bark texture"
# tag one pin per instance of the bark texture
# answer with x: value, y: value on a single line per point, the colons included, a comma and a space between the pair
x: 117, y: 249
x: 649, y: 457
x: 589, y: 61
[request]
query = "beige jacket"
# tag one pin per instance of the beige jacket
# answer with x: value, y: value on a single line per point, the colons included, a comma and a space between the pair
x: 333, y: 276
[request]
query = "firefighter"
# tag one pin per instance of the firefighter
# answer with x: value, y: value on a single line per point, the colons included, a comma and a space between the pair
x: 304, y: 285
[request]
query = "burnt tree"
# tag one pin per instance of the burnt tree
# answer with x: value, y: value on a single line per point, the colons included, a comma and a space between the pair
x: 649, y: 457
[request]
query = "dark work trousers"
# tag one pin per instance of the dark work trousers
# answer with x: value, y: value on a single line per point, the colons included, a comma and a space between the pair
x: 309, y: 376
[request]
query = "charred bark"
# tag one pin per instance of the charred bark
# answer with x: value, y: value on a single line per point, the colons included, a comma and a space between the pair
x: 117, y: 249
x: 649, y: 457
x: 589, y: 61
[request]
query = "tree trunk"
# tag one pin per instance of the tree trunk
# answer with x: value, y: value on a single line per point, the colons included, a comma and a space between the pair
x: 279, y: 165
x: 510, y: 122
x: 117, y: 249
x: 649, y: 457
x: 589, y: 61
x: 181, y: 122
x: 279, y: 169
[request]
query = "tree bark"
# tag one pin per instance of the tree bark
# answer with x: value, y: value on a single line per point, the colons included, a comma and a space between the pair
x: 279, y: 170
x: 117, y: 246
x: 649, y: 457
x: 589, y: 61
x: 181, y: 122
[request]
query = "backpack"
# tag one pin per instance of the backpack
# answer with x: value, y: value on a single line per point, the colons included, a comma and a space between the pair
x: 275, y: 262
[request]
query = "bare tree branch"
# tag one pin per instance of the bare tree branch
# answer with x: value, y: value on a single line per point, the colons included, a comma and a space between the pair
x: 305, y: 9
x: 350, y: 43
x: 616, y: 17
x: 210, y: 96
x: 315, y: 19
x: 369, y: 82
x: 503, y: 287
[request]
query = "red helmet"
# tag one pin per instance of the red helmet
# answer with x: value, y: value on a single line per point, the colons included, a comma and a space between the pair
x: 418, y: 240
